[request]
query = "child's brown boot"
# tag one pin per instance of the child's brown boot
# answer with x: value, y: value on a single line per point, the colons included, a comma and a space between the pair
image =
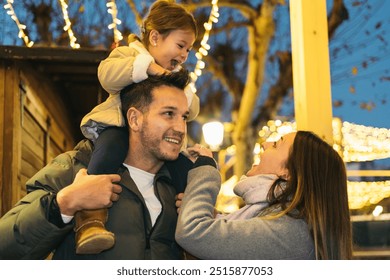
x: 91, y: 234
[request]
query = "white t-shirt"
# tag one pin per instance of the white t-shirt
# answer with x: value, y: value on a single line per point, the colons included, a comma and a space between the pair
x: 144, y: 182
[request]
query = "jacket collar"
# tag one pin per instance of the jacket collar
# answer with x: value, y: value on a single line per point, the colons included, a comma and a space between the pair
x: 162, y: 174
x: 84, y: 151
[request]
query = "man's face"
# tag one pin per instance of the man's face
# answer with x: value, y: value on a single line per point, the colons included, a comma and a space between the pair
x: 164, y: 125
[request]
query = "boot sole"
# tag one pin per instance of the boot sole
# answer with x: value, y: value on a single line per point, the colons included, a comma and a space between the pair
x: 96, y: 244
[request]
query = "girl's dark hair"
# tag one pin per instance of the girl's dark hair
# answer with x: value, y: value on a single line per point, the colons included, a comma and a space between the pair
x: 317, y: 192
x: 166, y: 16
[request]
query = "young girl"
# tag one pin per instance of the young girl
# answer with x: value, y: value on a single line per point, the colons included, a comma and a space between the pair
x: 167, y: 36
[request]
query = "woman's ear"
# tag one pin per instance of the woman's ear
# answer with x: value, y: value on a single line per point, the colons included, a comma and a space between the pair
x: 134, y: 118
x: 153, y: 37
x: 284, y: 174
x: 284, y: 177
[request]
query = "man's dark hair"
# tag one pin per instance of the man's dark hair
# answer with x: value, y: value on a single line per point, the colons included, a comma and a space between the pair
x: 139, y: 95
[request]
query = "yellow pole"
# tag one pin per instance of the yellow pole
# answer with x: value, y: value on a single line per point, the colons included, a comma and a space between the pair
x: 311, y: 71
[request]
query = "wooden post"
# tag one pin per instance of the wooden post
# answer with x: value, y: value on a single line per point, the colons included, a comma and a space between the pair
x: 11, y: 132
x: 311, y: 71
x: 2, y: 88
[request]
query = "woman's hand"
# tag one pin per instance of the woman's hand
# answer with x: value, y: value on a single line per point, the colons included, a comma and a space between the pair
x: 179, y: 201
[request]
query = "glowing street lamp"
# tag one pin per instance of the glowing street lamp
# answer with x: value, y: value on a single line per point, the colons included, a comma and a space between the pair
x: 213, y: 134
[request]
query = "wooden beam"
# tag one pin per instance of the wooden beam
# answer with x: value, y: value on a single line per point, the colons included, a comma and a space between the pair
x: 11, y: 139
x: 311, y: 71
x: 53, y: 54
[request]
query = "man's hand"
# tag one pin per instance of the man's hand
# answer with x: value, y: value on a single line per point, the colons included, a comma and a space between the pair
x: 89, y: 192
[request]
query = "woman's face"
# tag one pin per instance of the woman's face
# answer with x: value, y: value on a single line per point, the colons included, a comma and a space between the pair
x: 273, y: 159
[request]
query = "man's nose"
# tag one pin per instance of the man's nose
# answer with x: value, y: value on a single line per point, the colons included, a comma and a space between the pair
x: 180, y: 125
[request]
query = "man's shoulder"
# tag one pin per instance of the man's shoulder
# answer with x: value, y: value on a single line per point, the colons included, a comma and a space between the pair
x: 84, y: 146
x: 81, y: 152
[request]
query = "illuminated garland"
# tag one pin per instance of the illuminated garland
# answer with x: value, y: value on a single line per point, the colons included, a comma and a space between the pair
x: 21, y: 27
x: 356, y: 143
x: 204, y: 46
x: 68, y: 24
x: 361, y: 194
x: 112, y: 9
x: 364, y: 143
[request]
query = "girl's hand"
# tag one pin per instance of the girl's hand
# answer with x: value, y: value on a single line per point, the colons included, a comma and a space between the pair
x: 155, y: 69
x: 199, y: 150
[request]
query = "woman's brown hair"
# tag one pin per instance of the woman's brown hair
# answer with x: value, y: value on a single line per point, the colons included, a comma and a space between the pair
x: 316, y: 191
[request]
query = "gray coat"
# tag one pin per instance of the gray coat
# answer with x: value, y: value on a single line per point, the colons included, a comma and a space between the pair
x: 26, y: 232
x: 207, y: 238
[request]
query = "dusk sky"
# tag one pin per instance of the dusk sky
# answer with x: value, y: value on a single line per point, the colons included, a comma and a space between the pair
x: 369, y: 82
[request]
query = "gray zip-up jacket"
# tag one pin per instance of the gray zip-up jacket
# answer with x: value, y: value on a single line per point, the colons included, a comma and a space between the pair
x: 205, y: 237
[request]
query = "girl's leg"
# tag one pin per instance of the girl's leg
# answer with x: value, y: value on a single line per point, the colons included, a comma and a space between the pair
x: 179, y: 170
x: 110, y: 150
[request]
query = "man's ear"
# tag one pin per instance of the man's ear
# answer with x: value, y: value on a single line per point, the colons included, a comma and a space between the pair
x: 134, y: 118
x: 153, y: 37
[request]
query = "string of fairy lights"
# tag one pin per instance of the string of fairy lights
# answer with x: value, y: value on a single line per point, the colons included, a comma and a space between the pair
x: 356, y: 143
x: 68, y: 25
x: 11, y: 12
x: 22, y: 34
x: 204, y: 46
x: 112, y: 9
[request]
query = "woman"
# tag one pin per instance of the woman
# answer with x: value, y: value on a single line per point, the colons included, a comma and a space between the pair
x: 296, y: 206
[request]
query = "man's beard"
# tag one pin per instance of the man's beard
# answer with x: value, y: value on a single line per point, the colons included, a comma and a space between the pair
x: 152, y: 143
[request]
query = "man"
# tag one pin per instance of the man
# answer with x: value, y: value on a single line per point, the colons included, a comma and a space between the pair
x: 141, y: 199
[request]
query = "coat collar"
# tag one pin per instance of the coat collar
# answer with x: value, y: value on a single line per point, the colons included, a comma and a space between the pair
x: 162, y: 174
x: 84, y: 151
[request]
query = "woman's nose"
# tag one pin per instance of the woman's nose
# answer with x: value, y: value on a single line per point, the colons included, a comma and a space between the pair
x: 265, y: 145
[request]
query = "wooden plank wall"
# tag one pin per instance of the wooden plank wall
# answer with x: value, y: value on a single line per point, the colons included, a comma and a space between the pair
x: 33, y: 148
x: 33, y: 129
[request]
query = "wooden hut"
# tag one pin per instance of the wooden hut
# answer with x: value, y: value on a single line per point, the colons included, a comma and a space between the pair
x: 44, y: 93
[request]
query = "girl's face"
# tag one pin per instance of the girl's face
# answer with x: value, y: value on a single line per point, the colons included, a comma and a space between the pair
x: 172, y: 50
x: 273, y: 159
